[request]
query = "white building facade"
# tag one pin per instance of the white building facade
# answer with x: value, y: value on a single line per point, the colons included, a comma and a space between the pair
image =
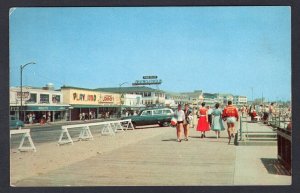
x: 38, y: 101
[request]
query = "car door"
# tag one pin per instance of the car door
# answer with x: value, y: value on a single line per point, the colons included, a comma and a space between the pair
x: 145, y: 118
x: 168, y: 114
x: 157, y: 116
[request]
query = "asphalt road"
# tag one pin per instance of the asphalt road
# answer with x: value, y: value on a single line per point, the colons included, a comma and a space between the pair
x: 50, y: 133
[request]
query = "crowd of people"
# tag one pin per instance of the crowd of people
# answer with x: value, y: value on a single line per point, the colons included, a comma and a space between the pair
x: 215, y: 118
x: 208, y: 119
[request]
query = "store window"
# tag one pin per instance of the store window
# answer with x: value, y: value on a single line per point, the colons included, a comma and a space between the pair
x: 147, y: 94
x: 32, y: 98
x: 44, y: 98
x: 55, y: 98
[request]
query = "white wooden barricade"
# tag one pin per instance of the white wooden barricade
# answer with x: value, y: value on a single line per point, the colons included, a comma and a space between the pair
x: 128, y: 123
x: 85, y: 133
x: 109, y: 127
x: 25, y: 134
x: 116, y: 125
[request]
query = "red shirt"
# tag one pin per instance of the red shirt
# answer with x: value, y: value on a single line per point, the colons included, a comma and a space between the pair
x: 230, y: 111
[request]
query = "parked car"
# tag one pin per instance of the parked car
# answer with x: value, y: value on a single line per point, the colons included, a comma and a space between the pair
x: 161, y: 116
x: 15, y: 123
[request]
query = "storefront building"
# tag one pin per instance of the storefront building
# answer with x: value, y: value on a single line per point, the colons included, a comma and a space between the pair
x: 39, y: 103
x: 90, y: 103
x: 150, y: 96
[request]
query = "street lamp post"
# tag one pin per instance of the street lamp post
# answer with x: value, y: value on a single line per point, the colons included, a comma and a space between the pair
x: 21, y: 86
x: 120, y: 97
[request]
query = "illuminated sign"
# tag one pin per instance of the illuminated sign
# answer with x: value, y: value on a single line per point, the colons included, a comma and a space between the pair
x: 147, y: 82
x: 149, y: 77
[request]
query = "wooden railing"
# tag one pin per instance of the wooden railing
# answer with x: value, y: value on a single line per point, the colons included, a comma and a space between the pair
x: 284, y: 150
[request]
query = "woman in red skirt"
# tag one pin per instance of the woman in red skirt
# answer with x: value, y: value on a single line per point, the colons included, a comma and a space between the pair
x: 203, y: 124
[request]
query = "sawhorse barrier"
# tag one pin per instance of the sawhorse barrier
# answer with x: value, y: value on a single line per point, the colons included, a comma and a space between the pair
x: 110, y: 127
x: 127, y: 123
x: 25, y: 134
x: 85, y: 133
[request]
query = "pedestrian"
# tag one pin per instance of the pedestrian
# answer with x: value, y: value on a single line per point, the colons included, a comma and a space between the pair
x: 252, y: 112
x: 203, y: 124
x: 266, y: 114
x: 231, y: 115
x: 260, y: 111
x: 209, y: 111
x: 187, y: 121
x: 217, y: 121
x: 179, y: 115
x: 90, y: 115
x: 30, y: 119
x: 271, y: 113
x: 83, y: 116
x: 49, y: 117
x: 243, y: 109
x: 33, y: 117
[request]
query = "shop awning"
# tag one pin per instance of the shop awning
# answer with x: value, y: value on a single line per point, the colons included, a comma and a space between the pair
x: 94, y: 106
x: 46, y: 108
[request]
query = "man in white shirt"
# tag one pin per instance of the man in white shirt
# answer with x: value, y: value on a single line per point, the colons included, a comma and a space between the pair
x: 180, y: 116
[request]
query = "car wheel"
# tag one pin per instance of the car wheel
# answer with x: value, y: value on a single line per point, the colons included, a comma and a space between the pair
x: 166, y: 124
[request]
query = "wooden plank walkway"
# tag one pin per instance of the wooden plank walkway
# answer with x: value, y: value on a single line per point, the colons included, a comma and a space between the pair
x: 152, y: 157
x: 158, y: 160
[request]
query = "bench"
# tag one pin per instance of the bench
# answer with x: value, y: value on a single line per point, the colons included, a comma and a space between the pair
x: 25, y: 134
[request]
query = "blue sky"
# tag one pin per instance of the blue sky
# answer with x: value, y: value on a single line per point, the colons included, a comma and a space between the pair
x: 214, y: 49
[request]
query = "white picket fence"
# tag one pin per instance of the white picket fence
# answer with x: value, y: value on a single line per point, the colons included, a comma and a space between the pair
x: 108, y: 127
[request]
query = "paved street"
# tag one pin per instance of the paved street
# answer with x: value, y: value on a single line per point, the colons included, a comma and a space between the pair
x: 147, y: 156
x: 49, y: 132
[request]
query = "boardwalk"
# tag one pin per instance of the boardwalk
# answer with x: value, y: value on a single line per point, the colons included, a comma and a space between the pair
x: 149, y: 156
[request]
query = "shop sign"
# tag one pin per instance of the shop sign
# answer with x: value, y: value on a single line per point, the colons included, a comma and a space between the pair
x: 149, y: 77
x: 147, y: 82
x: 25, y: 97
x: 84, y: 97
x: 46, y: 108
x: 106, y: 99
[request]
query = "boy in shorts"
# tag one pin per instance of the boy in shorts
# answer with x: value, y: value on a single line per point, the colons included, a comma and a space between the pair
x: 231, y: 115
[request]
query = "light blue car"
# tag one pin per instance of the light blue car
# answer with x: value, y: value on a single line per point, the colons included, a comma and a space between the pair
x: 15, y: 123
